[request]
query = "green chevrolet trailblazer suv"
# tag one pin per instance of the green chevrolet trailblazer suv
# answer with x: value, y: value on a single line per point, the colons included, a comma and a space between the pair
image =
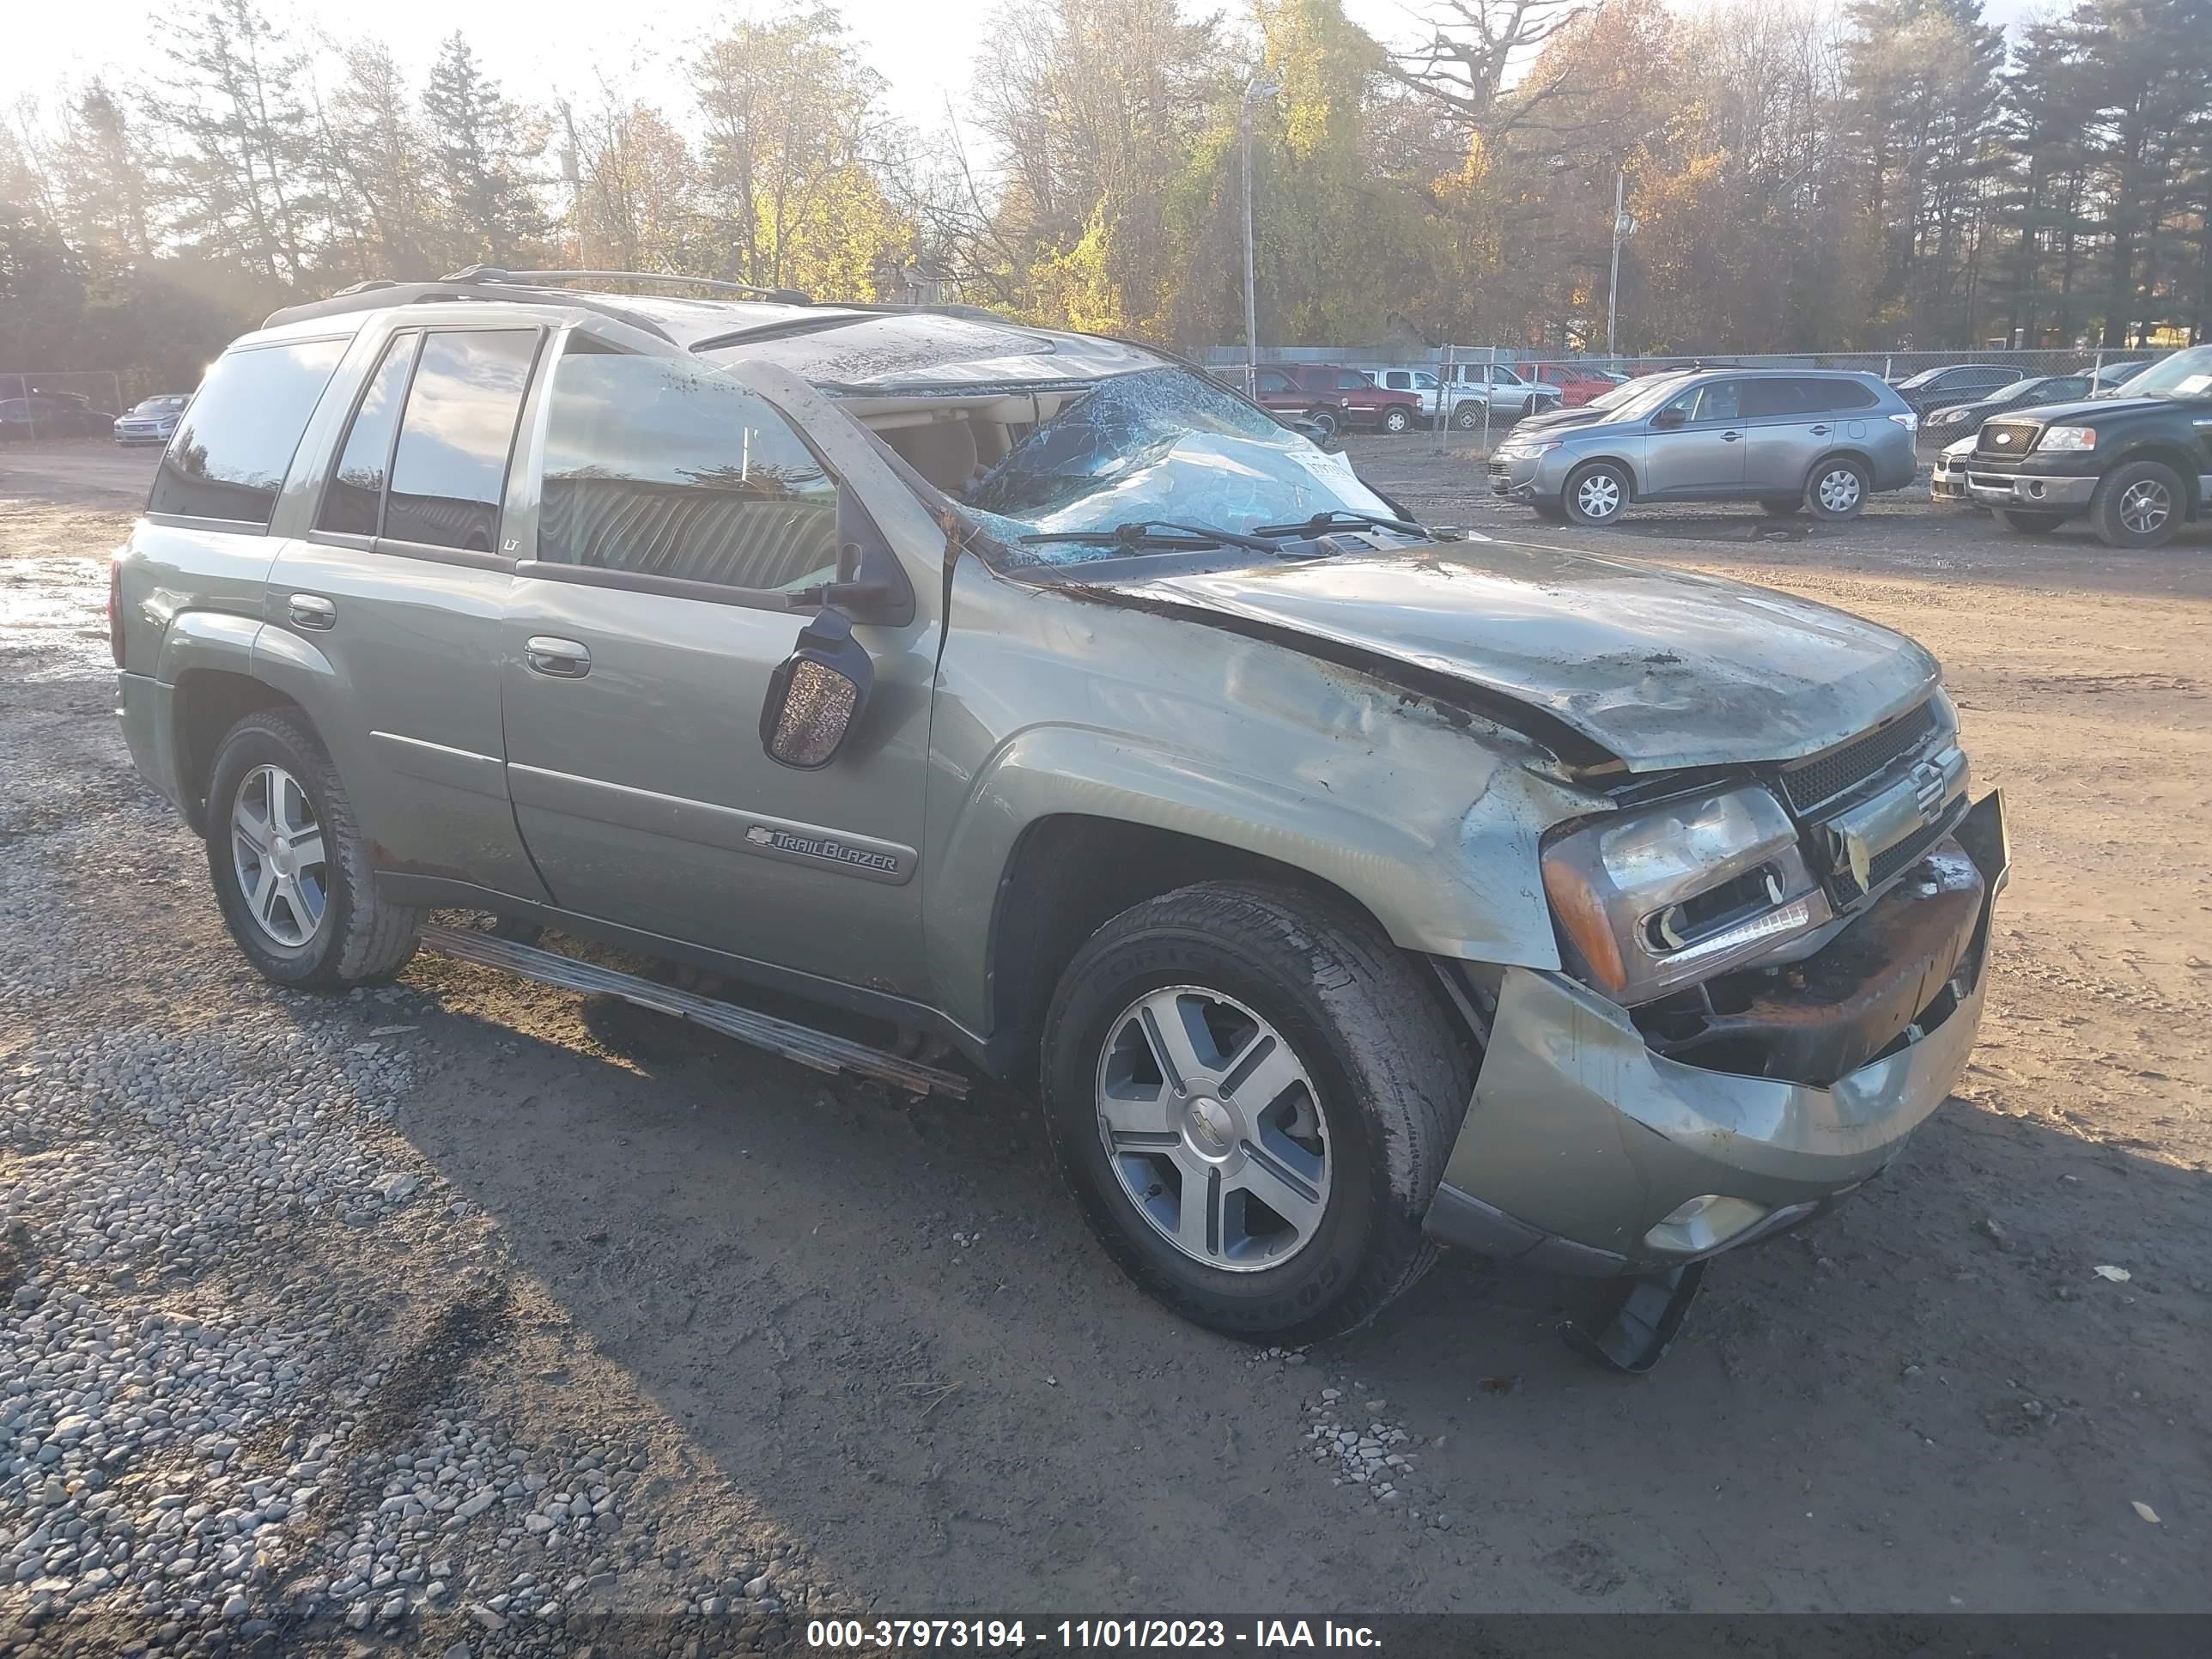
x: 1340, y: 887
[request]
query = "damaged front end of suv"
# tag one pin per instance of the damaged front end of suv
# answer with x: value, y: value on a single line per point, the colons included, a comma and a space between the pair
x: 1743, y: 819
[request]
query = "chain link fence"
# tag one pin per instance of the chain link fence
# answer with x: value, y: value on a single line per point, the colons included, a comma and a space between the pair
x: 37, y: 403
x: 1479, y: 390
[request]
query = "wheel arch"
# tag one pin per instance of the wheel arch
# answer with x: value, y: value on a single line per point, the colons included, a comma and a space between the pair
x: 206, y: 702
x: 1856, y: 452
x: 1628, y: 466
x: 1072, y: 872
x: 2166, y: 453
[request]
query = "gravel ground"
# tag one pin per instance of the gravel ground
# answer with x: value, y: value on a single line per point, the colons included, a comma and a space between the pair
x: 465, y: 1312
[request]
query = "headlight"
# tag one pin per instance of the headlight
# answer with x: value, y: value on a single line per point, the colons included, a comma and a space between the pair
x: 1655, y: 899
x: 1525, y: 450
x: 2067, y: 437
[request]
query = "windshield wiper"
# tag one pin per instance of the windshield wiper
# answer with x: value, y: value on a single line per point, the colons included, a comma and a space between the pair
x: 1146, y: 533
x: 1321, y: 523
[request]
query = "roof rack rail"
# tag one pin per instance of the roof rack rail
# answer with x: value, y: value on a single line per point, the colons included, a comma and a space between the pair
x: 378, y: 292
x: 787, y: 296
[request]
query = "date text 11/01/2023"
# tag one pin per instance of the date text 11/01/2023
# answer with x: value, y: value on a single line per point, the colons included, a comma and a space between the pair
x: 1085, y: 1634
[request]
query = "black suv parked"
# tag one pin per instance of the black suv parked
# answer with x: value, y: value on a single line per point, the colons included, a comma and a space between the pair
x: 2136, y: 464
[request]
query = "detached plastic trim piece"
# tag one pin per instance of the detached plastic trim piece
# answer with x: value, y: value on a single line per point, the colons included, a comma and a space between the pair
x: 818, y: 1049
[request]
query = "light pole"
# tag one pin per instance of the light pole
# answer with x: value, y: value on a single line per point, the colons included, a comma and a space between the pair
x: 1266, y: 89
x: 1622, y: 224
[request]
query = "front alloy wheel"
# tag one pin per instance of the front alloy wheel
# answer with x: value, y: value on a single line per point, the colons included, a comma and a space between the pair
x: 1252, y: 1092
x: 1211, y: 1124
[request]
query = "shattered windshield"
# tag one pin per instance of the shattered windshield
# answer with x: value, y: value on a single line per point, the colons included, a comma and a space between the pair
x: 1160, y: 444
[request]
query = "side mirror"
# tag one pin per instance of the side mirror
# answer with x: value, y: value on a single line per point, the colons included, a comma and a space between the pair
x: 868, y: 588
x: 817, y: 694
x: 1669, y: 418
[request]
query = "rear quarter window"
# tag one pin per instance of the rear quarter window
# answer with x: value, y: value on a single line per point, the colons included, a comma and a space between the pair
x: 232, y: 450
x: 1847, y: 394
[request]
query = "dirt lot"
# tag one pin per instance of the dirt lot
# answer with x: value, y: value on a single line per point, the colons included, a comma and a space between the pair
x: 822, y: 1346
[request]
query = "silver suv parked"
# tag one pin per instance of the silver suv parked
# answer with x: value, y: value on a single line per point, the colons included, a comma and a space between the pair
x: 1340, y: 888
x: 1791, y: 439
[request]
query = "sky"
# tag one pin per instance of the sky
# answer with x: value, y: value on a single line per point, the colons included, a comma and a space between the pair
x: 923, y: 48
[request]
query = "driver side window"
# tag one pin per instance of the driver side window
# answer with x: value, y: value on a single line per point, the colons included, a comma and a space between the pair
x: 659, y: 469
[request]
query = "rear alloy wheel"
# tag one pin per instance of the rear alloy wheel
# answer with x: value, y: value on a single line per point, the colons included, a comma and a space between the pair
x: 1395, y: 419
x: 1252, y: 1093
x: 290, y: 866
x: 2026, y: 521
x: 2137, y: 505
x: 1837, y: 490
x: 1596, y: 494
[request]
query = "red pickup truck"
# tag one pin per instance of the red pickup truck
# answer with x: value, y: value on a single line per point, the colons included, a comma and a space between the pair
x: 1336, y: 398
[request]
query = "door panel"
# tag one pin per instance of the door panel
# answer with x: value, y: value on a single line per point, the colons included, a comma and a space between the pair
x: 677, y: 507
x: 1787, y: 426
x: 643, y: 794
x: 1704, y: 456
x: 411, y: 633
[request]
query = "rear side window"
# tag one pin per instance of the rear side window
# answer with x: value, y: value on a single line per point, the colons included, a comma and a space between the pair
x: 1848, y: 394
x: 660, y: 469
x: 1398, y: 380
x: 354, y: 496
x: 449, y: 472
x: 1350, y: 379
x: 232, y: 450
x: 1781, y: 397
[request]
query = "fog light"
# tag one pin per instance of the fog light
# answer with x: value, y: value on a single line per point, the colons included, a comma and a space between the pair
x: 1705, y: 1223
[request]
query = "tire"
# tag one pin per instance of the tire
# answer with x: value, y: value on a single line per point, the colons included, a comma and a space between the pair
x: 1837, y: 489
x: 272, y: 770
x: 1395, y: 420
x: 1782, y: 506
x: 1366, y: 1085
x: 1596, y: 494
x: 2026, y: 521
x: 1327, y: 419
x: 2138, y: 505
x: 1467, y: 418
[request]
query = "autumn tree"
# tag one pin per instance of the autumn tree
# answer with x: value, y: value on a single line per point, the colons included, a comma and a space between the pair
x: 488, y: 210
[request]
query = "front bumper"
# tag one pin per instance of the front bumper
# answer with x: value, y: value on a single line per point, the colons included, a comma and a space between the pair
x: 1580, y: 1140
x: 2043, y: 492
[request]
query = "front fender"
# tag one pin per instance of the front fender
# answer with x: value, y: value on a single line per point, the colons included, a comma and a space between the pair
x: 1442, y: 873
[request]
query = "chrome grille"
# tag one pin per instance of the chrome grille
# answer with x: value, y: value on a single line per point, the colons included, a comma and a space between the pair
x: 1811, y: 783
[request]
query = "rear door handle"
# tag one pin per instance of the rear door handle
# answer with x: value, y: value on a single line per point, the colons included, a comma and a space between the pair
x: 1820, y: 431
x: 563, y: 659
x: 312, y: 610
x: 1730, y: 437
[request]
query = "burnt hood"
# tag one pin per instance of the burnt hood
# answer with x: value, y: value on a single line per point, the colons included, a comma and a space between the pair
x: 1656, y: 667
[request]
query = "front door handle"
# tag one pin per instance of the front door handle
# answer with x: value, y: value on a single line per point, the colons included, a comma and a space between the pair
x: 1820, y: 431
x: 1730, y: 437
x: 563, y: 659
x: 312, y: 610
